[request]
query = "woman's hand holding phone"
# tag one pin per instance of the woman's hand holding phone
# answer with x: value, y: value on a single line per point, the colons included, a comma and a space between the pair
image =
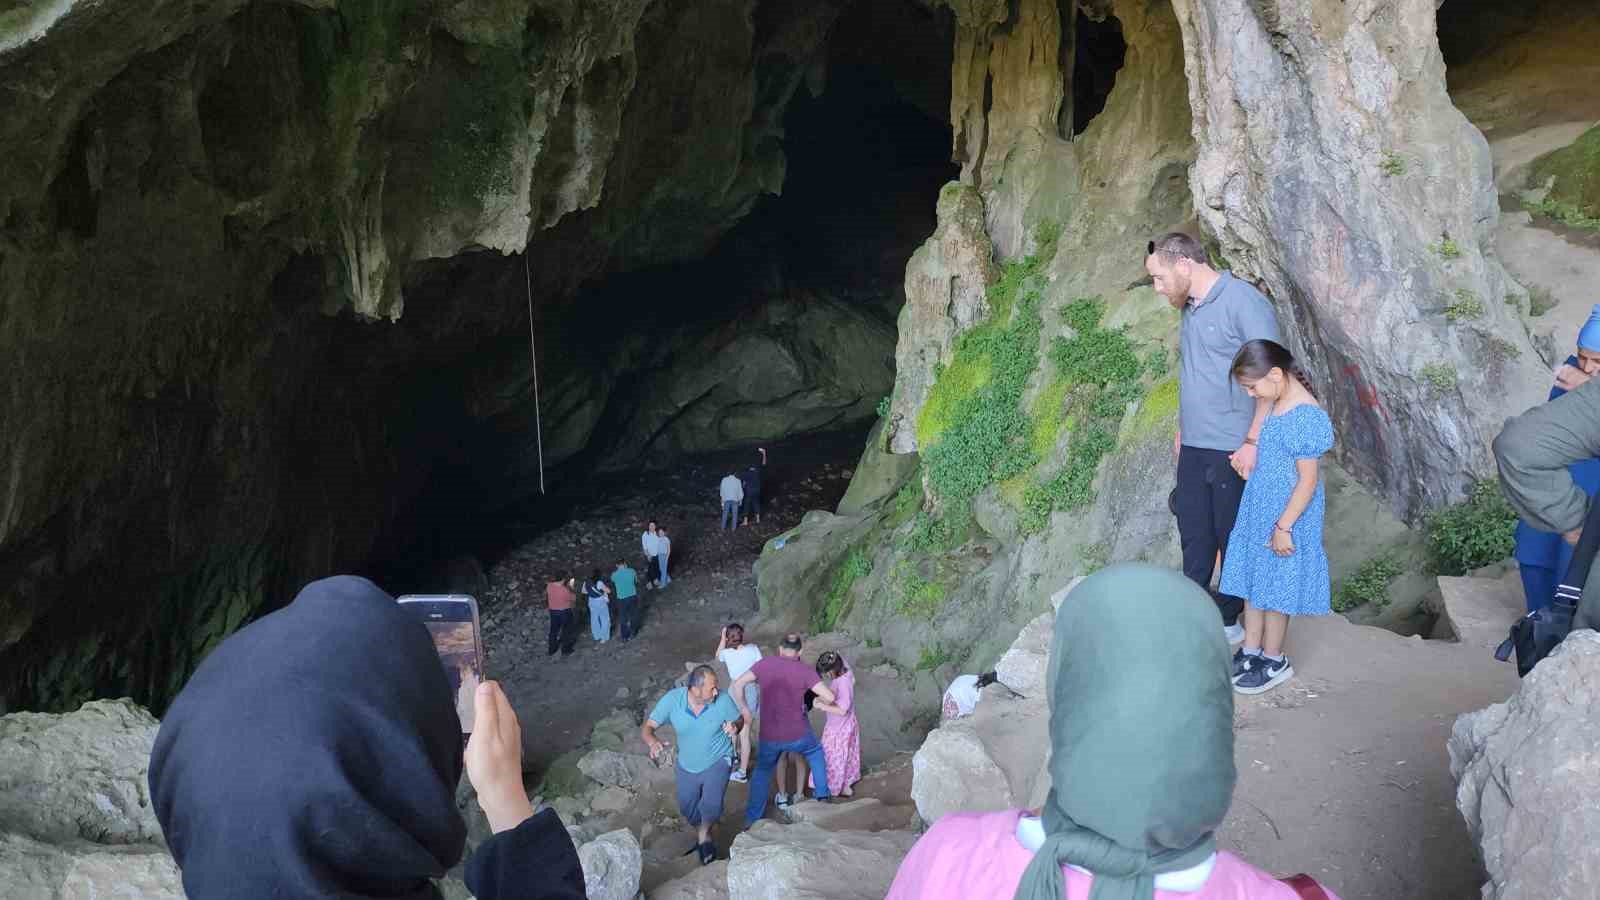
x: 494, y: 759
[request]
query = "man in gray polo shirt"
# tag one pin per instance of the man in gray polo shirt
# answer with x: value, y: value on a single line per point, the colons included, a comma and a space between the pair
x: 1218, y: 423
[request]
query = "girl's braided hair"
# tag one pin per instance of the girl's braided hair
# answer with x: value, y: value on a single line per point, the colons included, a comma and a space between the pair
x: 1256, y: 358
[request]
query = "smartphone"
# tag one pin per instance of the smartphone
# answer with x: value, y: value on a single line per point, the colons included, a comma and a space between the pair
x: 452, y: 622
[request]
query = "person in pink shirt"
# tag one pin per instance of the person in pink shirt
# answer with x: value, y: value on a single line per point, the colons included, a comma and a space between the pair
x: 841, y: 736
x: 1141, y: 766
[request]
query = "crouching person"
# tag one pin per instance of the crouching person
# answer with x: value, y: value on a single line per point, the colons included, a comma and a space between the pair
x: 706, y: 722
x: 1141, y: 762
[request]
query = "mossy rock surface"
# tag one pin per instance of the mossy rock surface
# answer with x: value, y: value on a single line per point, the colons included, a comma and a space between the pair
x: 1573, y: 176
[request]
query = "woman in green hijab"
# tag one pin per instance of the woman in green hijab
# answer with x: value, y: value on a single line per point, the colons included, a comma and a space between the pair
x: 1141, y: 765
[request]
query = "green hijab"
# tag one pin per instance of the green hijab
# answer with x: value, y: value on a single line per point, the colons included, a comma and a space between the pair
x: 1141, y: 734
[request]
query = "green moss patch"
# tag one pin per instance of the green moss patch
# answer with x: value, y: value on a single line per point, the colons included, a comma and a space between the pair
x: 856, y: 565
x: 1573, y: 173
x: 1369, y: 584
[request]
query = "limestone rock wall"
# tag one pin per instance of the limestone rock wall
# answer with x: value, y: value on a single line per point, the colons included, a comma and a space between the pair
x: 1333, y: 167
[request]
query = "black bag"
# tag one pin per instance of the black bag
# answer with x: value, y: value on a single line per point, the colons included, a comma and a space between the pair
x: 1536, y: 634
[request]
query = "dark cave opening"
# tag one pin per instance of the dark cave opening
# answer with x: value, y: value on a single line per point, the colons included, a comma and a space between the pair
x: 866, y: 156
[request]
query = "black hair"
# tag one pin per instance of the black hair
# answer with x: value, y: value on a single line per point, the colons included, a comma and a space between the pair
x: 594, y: 576
x: 987, y: 679
x: 1175, y: 245
x: 1256, y: 358
x: 831, y: 663
x: 790, y: 642
x: 733, y: 629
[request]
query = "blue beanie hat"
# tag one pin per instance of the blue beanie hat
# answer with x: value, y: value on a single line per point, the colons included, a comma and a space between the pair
x: 1589, y: 334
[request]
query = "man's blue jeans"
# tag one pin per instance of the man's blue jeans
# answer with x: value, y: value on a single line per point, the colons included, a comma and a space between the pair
x: 730, y: 514
x: 767, y: 759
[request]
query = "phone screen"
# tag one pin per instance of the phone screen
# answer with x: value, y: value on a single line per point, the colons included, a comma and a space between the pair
x: 452, y: 622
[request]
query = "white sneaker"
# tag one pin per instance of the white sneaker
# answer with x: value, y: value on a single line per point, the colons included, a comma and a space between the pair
x: 782, y: 800
x: 739, y: 776
x: 1234, y: 633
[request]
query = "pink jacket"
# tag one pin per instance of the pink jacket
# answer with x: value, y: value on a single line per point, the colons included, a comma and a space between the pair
x: 976, y: 856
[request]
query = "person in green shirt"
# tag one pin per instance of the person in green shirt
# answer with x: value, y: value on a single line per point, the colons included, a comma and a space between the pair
x: 626, y: 581
x: 705, y: 721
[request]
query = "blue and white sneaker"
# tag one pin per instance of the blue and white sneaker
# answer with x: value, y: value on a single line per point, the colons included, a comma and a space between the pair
x: 1241, y: 663
x: 1263, y: 675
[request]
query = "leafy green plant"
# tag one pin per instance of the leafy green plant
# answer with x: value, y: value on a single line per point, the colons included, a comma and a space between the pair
x: 1464, y: 305
x: 916, y: 596
x: 1540, y: 300
x: 1369, y: 584
x: 1156, y: 363
x: 1569, y: 214
x: 1446, y: 247
x: 856, y: 565
x: 1392, y: 165
x: 1095, y: 556
x: 933, y: 656
x: 874, y: 643
x: 1472, y: 534
x: 883, y: 407
x: 1503, y: 349
x: 1440, y: 377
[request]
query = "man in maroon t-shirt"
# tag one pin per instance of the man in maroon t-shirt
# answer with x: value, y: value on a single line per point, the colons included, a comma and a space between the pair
x: 784, y: 680
x: 560, y: 596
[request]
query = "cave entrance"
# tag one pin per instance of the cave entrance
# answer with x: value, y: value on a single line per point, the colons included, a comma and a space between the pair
x: 1092, y: 52
x: 1514, y: 67
x: 867, y: 145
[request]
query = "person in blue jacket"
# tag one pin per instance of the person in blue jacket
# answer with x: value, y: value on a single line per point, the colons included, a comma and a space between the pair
x: 1542, y: 557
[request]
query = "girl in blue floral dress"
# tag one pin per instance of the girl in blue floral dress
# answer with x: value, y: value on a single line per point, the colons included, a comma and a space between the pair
x: 1275, y: 558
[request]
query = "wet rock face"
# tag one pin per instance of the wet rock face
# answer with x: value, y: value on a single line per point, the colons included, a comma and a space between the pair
x: 1523, y: 769
x: 1333, y: 193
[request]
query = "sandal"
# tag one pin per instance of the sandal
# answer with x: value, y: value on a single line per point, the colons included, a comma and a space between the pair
x: 708, y: 852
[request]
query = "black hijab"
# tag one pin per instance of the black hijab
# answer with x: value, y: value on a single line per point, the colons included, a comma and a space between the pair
x: 314, y: 753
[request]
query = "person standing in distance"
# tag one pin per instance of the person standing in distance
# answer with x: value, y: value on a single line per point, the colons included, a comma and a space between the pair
x: 651, y: 542
x: 732, y: 493
x: 1218, y: 423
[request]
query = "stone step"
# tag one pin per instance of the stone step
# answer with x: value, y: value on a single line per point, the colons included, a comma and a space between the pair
x: 1479, y: 611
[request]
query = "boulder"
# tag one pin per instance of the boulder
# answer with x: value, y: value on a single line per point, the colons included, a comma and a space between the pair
x: 1480, y: 611
x: 793, y: 564
x: 1022, y: 668
x: 630, y: 771
x: 611, y: 866
x: 1525, y: 772
x: 953, y: 772
x: 866, y: 814
x: 33, y: 870
x: 805, y: 862
x: 704, y: 883
x: 612, y: 799
x: 80, y: 775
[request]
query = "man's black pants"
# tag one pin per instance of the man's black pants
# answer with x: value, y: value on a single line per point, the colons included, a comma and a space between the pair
x: 1206, y: 504
x: 561, y: 634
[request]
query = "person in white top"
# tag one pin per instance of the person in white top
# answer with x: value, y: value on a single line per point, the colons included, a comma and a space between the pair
x: 651, y: 540
x: 738, y: 656
x: 732, y: 496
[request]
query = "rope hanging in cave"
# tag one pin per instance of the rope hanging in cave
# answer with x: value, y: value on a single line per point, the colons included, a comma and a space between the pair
x: 533, y: 351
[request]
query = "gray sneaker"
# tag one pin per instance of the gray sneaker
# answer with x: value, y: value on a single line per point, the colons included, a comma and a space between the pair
x: 1263, y: 675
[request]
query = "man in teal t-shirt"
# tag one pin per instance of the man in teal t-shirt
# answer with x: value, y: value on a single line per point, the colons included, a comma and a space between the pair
x: 626, y: 581
x: 706, y: 722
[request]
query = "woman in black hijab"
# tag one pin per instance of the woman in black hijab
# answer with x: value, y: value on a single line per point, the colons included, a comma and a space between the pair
x: 316, y: 753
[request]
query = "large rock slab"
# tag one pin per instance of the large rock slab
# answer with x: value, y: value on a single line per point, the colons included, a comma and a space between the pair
x: 612, y: 863
x: 1525, y: 772
x: 705, y: 883
x: 866, y: 814
x: 630, y: 771
x: 33, y: 870
x: 1480, y: 610
x: 1022, y: 668
x: 953, y: 772
x: 805, y: 862
x: 79, y: 776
